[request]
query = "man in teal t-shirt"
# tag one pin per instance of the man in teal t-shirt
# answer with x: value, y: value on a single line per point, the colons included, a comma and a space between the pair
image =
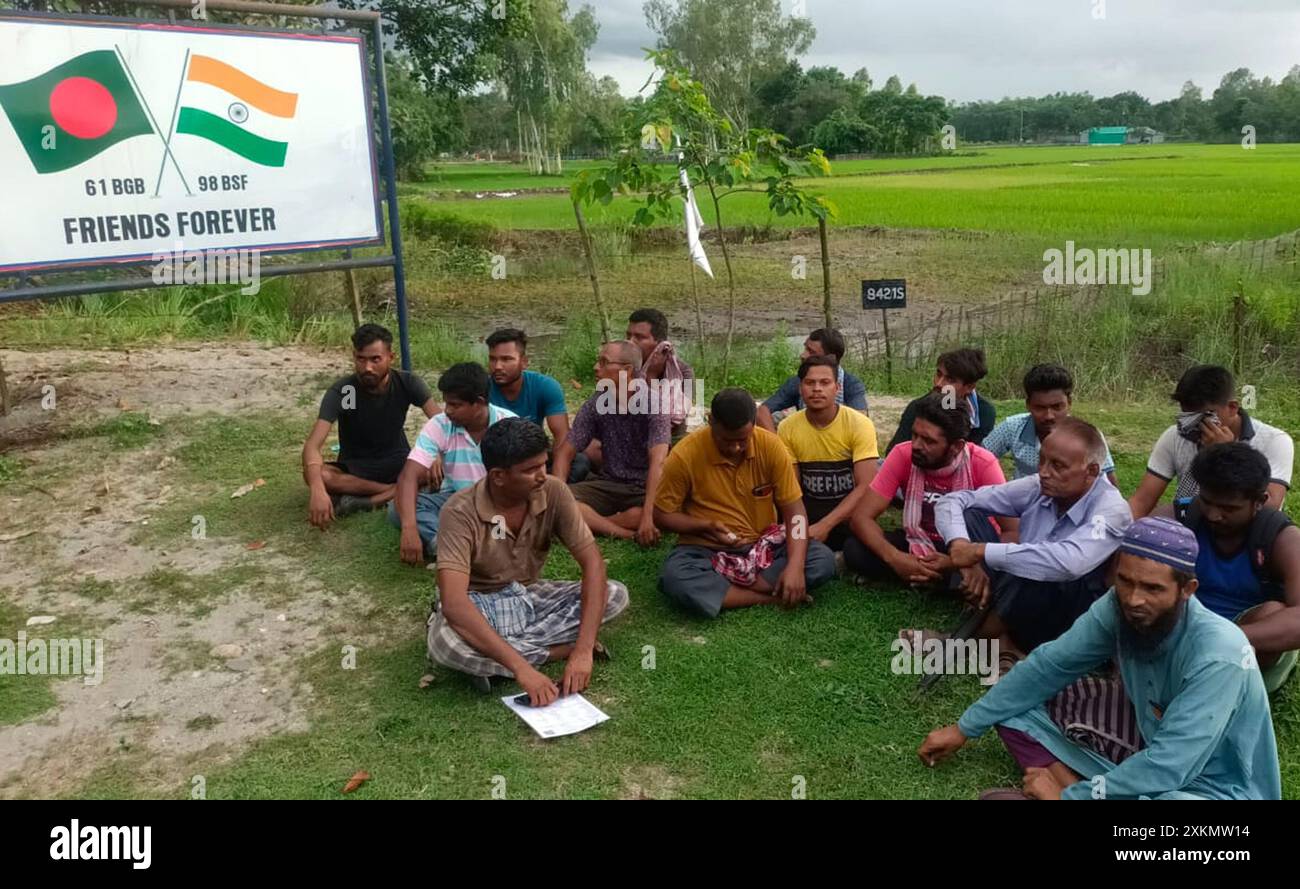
x: 529, y: 394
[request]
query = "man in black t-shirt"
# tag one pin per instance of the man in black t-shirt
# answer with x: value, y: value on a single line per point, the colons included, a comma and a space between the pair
x: 370, y: 407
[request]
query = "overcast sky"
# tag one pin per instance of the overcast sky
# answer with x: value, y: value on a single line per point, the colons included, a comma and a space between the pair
x: 987, y: 49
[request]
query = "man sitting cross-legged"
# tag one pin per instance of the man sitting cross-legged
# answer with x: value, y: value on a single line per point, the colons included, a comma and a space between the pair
x: 936, y: 461
x: 1071, y: 519
x: 634, y: 433
x: 495, y: 616
x: 1210, y: 414
x: 834, y: 450
x: 1198, y: 725
x: 370, y: 407
x: 1248, y: 562
x: 721, y: 489
x: 449, y: 440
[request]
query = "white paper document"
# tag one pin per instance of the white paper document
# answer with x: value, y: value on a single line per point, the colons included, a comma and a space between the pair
x: 564, y: 716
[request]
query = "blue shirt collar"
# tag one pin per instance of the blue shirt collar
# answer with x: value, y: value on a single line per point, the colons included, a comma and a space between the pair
x: 1079, y: 513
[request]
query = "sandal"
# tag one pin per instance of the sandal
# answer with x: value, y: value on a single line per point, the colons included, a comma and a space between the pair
x: 910, y: 637
x: 1007, y: 660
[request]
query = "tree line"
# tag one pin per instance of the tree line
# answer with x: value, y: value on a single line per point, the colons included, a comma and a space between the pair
x: 745, y: 53
x: 510, y: 77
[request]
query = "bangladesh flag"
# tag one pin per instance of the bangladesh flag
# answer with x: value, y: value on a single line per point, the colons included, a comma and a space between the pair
x: 71, y: 113
x: 252, y: 125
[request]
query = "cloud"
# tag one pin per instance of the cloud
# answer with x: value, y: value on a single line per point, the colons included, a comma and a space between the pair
x: 987, y: 49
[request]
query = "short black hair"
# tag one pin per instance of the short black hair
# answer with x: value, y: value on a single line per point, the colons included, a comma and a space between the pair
x: 466, y: 381
x: 508, y: 335
x: 1233, y: 468
x: 1183, y: 578
x: 1204, y: 385
x: 967, y: 365
x: 369, y: 333
x: 819, y: 361
x: 510, y: 441
x: 733, y: 408
x: 831, y: 339
x: 1048, y: 378
x: 655, y: 318
x: 953, y: 422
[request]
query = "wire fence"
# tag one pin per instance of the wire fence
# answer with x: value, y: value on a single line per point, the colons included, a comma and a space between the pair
x: 1245, y: 315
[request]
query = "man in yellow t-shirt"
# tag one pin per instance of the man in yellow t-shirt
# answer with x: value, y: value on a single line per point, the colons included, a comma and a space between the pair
x: 721, y: 489
x: 834, y: 448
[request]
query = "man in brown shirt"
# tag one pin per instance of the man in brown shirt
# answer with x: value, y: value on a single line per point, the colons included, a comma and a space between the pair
x: 495, y: 617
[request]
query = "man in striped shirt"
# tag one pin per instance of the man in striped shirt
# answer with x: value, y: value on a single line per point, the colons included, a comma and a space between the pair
x: 452, y: 436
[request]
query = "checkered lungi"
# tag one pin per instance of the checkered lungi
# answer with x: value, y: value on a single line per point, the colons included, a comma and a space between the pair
x: 530, y: 619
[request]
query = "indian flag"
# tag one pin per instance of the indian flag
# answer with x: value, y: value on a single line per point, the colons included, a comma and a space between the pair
x: 239, y: 112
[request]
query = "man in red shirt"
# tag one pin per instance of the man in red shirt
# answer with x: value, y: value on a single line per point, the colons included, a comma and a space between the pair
x: 937, y: 461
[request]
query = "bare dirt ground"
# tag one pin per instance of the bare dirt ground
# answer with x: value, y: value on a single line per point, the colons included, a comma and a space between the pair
x: 160, y: 678
x: 68, y: 525
x: 165, y: 381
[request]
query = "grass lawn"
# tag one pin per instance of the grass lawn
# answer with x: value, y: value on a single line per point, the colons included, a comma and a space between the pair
x: 736, y: 707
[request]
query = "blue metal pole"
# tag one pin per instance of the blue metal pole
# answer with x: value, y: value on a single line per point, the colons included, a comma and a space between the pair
x: 390, y: 186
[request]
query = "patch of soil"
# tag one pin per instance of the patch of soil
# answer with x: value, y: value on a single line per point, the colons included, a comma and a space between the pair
x: 162, y: 691
x: 166, y: 381
x: 649, y: 782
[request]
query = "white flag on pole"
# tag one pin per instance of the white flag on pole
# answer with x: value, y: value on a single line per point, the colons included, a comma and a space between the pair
x: 694, y: 223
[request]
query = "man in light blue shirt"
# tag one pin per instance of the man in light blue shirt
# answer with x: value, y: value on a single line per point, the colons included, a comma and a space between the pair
x: 1191, y: 677
x: 1048, y: 394
x: 1071, y: 519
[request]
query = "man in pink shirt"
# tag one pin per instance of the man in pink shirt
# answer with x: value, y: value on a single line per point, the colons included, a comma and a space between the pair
x: 937, y: 461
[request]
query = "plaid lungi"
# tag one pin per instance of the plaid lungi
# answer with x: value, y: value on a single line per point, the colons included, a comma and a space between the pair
x: 530, y: 619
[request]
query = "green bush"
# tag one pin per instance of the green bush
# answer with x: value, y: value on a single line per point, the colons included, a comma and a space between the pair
x: 573, y: 354
x: 421, y: 219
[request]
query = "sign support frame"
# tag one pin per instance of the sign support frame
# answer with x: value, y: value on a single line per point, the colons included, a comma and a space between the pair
x: 394, y: 259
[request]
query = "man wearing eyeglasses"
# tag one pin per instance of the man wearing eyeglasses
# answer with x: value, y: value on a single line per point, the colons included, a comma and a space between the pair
x: 634, y: 430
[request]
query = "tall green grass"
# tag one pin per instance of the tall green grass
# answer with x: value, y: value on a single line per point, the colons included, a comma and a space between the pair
x: 759, y: 366
x: 283, y: 311
x: 572, y: 354
x: 1123, y: 346
x: 1117, y: 344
